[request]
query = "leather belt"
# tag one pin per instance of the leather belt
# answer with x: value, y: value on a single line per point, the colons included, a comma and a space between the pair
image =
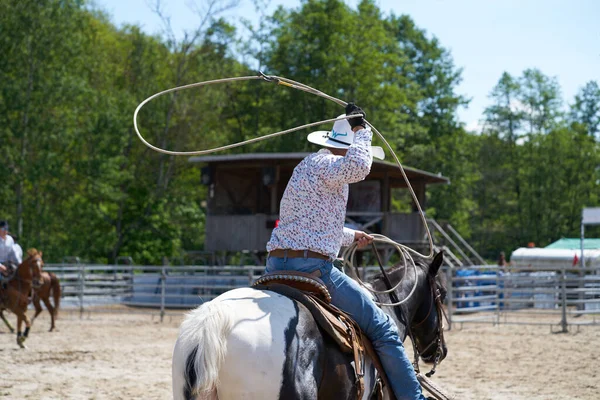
x: 297, y: 254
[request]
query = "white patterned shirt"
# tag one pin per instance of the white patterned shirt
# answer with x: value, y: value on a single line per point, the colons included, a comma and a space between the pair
x: 8, y: 252
x: 313, y: 208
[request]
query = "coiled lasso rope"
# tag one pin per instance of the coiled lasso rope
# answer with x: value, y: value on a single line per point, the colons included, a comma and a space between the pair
x: 349, y: 254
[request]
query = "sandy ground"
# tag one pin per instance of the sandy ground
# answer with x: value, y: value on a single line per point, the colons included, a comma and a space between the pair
x: 123, y: 356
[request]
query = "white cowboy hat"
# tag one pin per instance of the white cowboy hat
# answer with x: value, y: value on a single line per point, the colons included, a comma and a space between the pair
x: 340, y: 137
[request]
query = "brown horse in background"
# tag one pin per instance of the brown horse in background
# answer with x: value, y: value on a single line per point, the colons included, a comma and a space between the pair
x: 46, y: 286
x: 16, y: 295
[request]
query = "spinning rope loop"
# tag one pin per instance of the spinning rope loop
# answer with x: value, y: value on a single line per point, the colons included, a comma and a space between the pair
x: 348, y: 255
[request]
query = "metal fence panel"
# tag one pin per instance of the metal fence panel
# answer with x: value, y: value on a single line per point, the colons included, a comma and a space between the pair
x: 525, y: 295
x: 150, y: 289
x: 489, y: 294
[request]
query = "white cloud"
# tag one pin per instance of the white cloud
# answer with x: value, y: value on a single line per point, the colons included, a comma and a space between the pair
x: 475, y: 126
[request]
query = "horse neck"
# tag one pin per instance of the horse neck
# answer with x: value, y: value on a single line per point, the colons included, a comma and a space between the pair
x: 407, y: 316
x: 407, y: 309
x: 23, y: 270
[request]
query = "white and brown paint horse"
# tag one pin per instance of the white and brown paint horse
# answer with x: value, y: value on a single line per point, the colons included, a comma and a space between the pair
x: 257, y: 344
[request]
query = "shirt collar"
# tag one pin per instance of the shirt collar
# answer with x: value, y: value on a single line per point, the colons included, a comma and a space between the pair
x: 324, y: 151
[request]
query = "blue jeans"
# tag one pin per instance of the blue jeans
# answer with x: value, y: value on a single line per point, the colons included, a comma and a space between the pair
x: 347, y: 295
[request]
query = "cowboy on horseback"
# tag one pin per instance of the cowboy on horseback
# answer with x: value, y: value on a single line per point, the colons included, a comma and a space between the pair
x: 11, y: 254
x: 311, y: 231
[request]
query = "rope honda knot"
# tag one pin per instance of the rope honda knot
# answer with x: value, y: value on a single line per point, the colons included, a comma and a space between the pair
x: 269, y: 78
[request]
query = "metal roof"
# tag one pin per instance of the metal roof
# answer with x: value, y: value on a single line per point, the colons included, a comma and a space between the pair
x: 575, y: 244
x: 544, y: 257
x: 256, y: 157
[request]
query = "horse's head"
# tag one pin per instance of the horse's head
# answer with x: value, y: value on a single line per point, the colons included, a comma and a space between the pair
x: 421, y: 292
x: 427, y: 321
x: 36, y: 264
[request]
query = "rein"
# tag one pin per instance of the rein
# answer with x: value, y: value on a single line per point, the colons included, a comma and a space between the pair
x: 397, y: 307
x: 16, y: 273
x: 439, y: 339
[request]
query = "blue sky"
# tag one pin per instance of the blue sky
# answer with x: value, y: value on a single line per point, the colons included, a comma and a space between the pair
x: 485, y: 37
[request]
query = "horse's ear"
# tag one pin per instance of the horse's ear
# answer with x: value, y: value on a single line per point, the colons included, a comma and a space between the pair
x: 437, y: 262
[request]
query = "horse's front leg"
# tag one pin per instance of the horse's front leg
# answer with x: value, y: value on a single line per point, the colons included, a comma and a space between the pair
x: 51, y: 310
x: 37, y: 305
x: 12, y: 330
x: 22, y: 337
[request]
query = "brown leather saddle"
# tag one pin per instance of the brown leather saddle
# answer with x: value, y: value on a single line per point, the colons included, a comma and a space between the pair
x: 313, y: 294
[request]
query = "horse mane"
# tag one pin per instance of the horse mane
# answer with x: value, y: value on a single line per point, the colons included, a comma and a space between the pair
x: 396, y: 274
x: 32, y: 252
x: 398, y: 268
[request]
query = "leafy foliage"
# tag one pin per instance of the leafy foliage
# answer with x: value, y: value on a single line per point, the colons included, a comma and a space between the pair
x: 76, y: 181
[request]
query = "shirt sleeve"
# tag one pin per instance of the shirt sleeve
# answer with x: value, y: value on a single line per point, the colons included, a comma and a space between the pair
x: 18, y: 253
x: 347, y: 236
x: 7, y: 251
x: 354, y: 166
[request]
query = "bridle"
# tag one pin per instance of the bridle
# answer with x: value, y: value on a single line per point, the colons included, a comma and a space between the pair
x: 30, y: 260
x: 39, y: 262
x: 436, y: 294
x: 438, y: 340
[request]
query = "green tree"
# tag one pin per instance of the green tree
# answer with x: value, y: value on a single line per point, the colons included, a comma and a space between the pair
x: 586, y: 108
x: 536, y: 172
x: 501, y: 185
x: 505, y: 115
x: 78, y: 182
x: 83, y: 183
x: 541, y: 99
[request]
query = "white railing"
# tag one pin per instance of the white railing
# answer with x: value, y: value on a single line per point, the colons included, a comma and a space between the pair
x: 548, y: 296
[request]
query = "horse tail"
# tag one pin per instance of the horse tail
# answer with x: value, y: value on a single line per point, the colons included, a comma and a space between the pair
x: 200, y: 350
x: 55, y: 286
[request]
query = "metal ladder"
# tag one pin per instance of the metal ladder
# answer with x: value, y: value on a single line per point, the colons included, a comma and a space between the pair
x: 457, y: 255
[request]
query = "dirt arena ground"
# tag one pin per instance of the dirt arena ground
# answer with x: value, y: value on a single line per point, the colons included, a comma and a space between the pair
x: 121, y: 356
